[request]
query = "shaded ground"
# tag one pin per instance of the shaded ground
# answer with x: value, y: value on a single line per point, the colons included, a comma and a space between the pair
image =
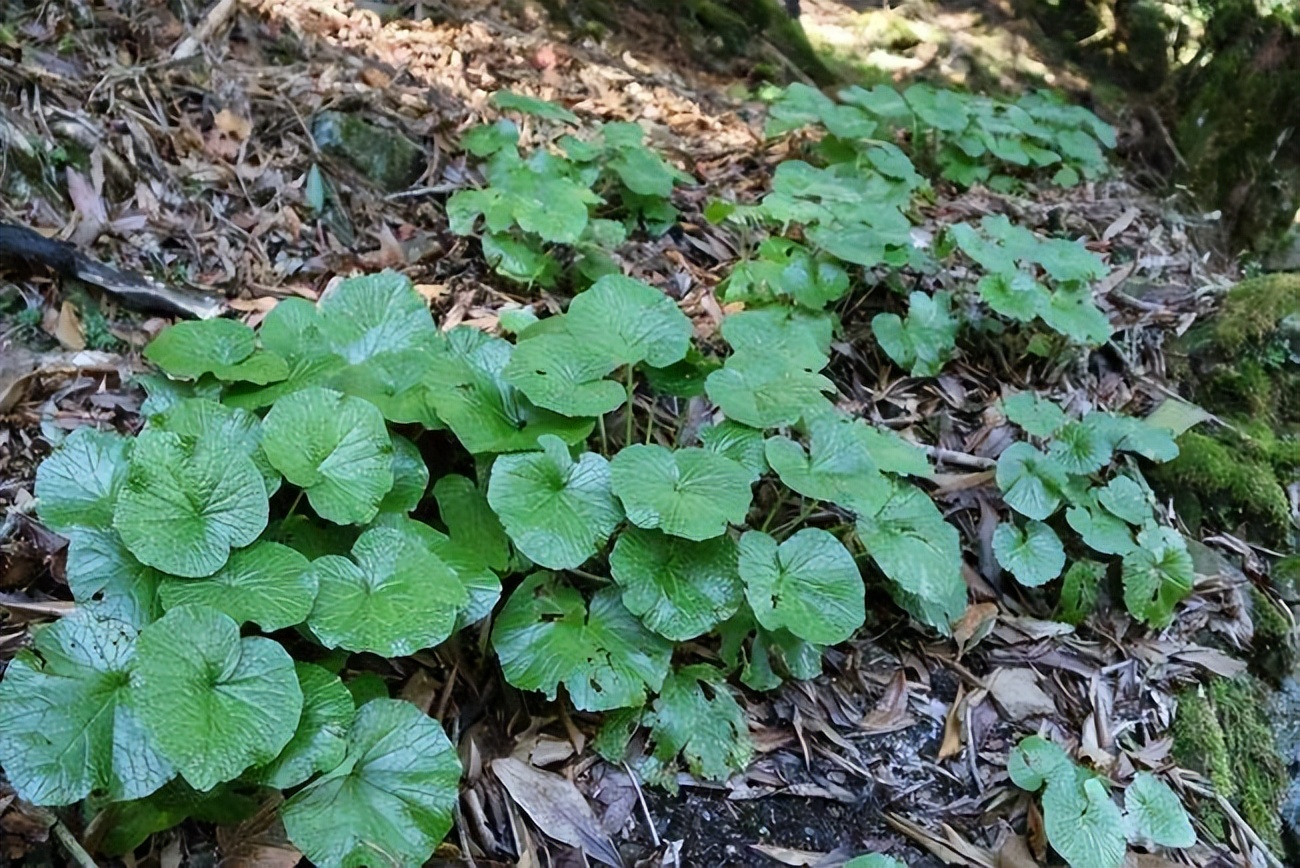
x: 197, y: 173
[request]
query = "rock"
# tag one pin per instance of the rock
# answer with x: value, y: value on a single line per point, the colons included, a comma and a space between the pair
x: 387, y: 158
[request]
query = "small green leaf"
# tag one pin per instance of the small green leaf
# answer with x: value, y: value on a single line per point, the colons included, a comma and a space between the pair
x: 697, y: 718
x: 923, y: 342
x: 510, y: 101
x: 678, y: 588
x: 1086, y: 828
x: 485, y: 140
x: 267, y: 583
x: 912, y: 544
x: 1036, y: 762
x: 546, y: 636
x: 389, y: 802
x: 67, y: 727
x: 213, y: 703
x: 320, y: 741
x: 1080, y: 448
x: 1125, y: 498
x: 392, y: 598
x: 1031, y: 482
x: 1079, y: 591
x: 1072, y: 312
x: 79, y: 483
x: 874, y: 860
x: 1017, y: 296
x: 766, y: 390
x: 558, y: 512
x: 410, y: 477
x: 1034, y: 554
x: 523, y: 260
x: 482, y: 586
x: 186, y: 503
x: 836, y: 468
x: 1154, y: 815
x: 225, y: 348
x: 336, y: 448
x: 798, y: 336
x: 484, y: 411
x: 1037, y: 415
x: 691, y: 493
x: 1158, y: 574
x: 470, y: 521
x: 809, y: 585
x: 1101, y: 531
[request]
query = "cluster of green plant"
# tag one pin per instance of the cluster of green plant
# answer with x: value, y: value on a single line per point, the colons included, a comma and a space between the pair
x: 586, y: 193
x: 1081, y: 821
x: 282, y: 481
x: 965, y: 138
x: 1222, y: 730
x: 1108, y: 505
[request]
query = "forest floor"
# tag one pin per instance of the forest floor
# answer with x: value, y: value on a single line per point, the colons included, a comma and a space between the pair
x: 196, y: 171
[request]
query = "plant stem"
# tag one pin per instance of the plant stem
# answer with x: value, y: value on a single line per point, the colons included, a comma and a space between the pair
x: 771, y: 516
x: 631, y: 394
x: 293, y: 508
x: 604, y: 440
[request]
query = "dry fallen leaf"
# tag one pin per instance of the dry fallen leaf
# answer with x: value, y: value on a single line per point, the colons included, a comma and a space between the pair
x: 67, y: 330
x: 556, y: 806
x: 1017, y: 693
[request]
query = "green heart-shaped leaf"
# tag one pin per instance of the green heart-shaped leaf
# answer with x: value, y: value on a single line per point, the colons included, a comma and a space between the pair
x: 691, y: 493
x: 389, y: 802
x: 79, y: 483
x: 267, y: 583
x: 320, y: 740
x: 546, y: 636
x: 809, y: 585
x: 394, y: 597
x: 67, y: 727
x: 1031, y: 482
x: 193, y: 670
x: 766, y: 391
x: 678, y: 588
x: 558, y: 512
x: 1033, y: 554
x: 222, y: 347
x: 336, y: 448
x: 187, y: 502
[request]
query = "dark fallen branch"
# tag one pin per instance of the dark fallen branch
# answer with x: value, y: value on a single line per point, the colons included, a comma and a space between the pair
x: 20, y: 244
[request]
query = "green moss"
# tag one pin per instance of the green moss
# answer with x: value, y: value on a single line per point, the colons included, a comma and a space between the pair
x: 1222, y: 730
x: 1275, y: 639
x: 1253, y: 309
x: 1232, y: 482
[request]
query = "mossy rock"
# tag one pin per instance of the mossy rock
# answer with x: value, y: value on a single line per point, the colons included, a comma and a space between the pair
x: 1229, y: 480
x: 1222, y: 729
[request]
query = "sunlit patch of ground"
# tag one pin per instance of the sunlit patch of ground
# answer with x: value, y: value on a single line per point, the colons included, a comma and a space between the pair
x: 973, y: 44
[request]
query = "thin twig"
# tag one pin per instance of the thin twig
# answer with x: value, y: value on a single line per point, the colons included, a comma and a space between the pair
x: 1238, y: 821
x: 962, y: 459
x: 73, y: 846
x: 640, y: 796
x: 217, y: 16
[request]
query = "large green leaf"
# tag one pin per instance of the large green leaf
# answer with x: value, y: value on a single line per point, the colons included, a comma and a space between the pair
x: 678, y: 588
x: 1101, y: 531
x: 370, y: 314
x: 564, y: 375
x: 740, y: 443
x: 546, y: 636
x: 1033, y: 554
x: 79, y: 483
x: 692, y: 493
x: 809, y: 585
x: 1037, y: 415
x: 394, y: 597
x: 67, y: 727
x: 557, y: 511
x: 629, y: 322
x: 222, y: 347
x: 294, y: 331
x: 320, y: 741
x: 213, y: 703
x: 482, y: 585
x: 1080, y: 448
x: 397, y: 383
x: 697, y: 717
x: 1158, y: 573
x: 798, y: 336
x: 1126, y: 498
x: 485, y: 412
x: 470, y: 521
x: 837, y: 467
x: 103, y: 574
x: 912, y: 545
x: 267, y: 583
x: 924, y: 340
x: 186, y: 503
x: 389, y: 802
x: 336, y: 448
x: 1154, y: 815
x: 1032, y: 483
x: 765, y: 390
